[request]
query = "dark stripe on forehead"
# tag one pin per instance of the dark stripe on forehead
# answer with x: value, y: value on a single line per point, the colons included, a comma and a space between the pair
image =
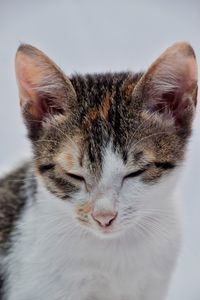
x: 91, y: 153
x: 102, y: 98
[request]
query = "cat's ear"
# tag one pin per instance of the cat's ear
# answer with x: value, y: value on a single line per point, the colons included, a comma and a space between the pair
x: 43, y: 88
x: 170, y: 84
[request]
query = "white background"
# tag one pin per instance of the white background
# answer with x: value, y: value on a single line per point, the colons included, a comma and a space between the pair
x: 93, y: 36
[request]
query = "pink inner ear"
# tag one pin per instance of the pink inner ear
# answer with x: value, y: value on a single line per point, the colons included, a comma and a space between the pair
x: 177, y: 105
x: 37, y: 97
x: 29, y: 100
x: 39, y: 104
x: 28, y: 76
x: 171, y: 83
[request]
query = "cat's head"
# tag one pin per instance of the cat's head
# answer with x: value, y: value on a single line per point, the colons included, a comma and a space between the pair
x: 109, y: 145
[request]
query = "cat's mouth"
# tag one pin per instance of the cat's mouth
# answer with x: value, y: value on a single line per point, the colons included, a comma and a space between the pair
x: 112, y: 231
x: 103, y: 230
x: 106, y: 230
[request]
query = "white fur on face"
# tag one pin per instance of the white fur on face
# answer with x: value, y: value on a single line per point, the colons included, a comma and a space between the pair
x: 137, y: 204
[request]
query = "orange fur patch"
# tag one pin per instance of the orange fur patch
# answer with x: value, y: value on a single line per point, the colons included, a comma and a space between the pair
x: 85, y: 208
x: 129, y: 89
x: 70, y: 160
x: 92, y: 115
x: 83, y: 212
x: 69, y: 157
x: 149, y: 155
x: 106, y: 107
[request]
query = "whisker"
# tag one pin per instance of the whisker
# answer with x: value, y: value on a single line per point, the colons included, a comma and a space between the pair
x: 65, y: 135
x: 21, y: 180
x: 44, y: 140
x: 58, y: 129
x: 155, y: 225
x: 148, y: 136
x: 42, y: 157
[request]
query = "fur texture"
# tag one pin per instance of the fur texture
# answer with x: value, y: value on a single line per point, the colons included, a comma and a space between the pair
x: 93, y: 216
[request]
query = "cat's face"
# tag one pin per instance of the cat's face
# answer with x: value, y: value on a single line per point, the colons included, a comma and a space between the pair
x: 109, y: 145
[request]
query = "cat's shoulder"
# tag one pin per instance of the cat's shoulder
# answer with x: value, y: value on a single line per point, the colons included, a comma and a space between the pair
x: 12, y: 199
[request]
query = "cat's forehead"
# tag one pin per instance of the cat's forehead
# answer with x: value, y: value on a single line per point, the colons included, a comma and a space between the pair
x: 109, y: 116
x: 101, y: 91
x: 105, y: 108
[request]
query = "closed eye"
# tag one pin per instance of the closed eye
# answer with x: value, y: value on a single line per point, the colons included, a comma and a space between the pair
x: 158, y: 165
x: 76, y: 177
x: 135, y: 174
x: 45, y: 168
x: 164, y: 165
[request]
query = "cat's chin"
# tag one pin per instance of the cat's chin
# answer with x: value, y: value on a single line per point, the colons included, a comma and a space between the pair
x: 107, y: 232
x: 107, y: 235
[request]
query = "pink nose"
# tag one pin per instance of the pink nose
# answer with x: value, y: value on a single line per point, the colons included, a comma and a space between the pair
x: 104, y: 219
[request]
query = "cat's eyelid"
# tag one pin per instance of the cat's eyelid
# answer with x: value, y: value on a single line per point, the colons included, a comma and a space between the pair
x: 135, y: 173
x: 164, y: 165
x: 161, y: 165
x: 46, y: 167
x: 76, y: 176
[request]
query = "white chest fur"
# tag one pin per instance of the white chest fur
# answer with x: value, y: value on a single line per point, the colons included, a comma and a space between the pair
x: 54, y: 259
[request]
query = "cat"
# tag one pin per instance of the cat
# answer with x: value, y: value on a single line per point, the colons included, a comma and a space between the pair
x: 93, y: 215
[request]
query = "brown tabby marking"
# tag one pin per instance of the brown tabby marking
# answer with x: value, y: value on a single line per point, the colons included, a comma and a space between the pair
x: 12, y: 200
x: 92, y: 115
x: 83, y: 212
x: 106, y: 106
x: 85, y: 208
x: 129, y: 91
x: 70, y: 160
